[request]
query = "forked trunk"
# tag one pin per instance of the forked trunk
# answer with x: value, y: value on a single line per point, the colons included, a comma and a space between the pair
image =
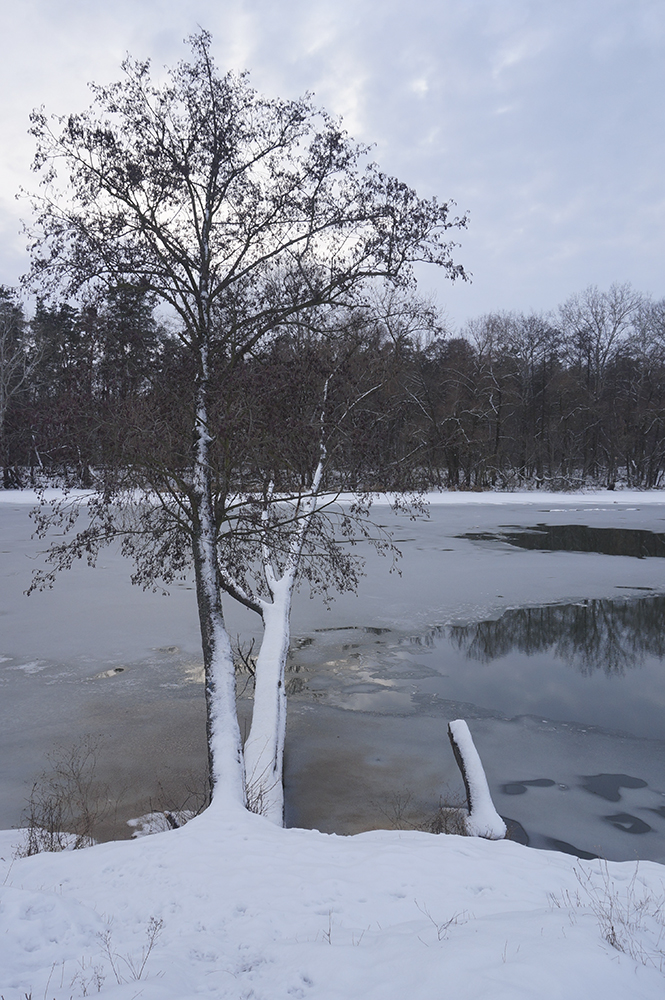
x: 264, y: 748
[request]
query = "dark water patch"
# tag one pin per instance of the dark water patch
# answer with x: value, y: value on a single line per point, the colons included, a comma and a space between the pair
x: 370, y: 629
x: 520, y: 787
x: 628, y: 823
x: 565, y: 848
x: 659, y: 811
x: 608, y: 785
x: 338, y: 628
x: 578, y: 538
x: 515, y: 831
x: 607, y: 635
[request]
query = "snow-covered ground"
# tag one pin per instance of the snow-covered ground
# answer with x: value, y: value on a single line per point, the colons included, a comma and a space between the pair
x: 240, y: 909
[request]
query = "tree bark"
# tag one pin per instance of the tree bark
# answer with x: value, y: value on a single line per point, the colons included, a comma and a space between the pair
x: 225, y: 757
x: 264, y: 748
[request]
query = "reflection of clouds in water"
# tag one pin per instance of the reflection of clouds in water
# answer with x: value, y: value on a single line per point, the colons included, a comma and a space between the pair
x: 443, y: 669
x: 389, y: 702
x: 362, y: 675
x: 546, y: 758
x: 591, y: 635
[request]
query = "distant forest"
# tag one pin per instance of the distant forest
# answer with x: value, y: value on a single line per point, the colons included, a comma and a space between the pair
x: 556, y: 400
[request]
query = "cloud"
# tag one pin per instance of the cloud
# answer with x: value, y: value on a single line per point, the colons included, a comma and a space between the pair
x: 544, y: 120
x: 518, y: 50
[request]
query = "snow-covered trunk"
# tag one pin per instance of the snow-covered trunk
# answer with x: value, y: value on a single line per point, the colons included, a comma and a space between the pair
x: 225, y: 759
x: 483, y: 819
x: 264, y: 748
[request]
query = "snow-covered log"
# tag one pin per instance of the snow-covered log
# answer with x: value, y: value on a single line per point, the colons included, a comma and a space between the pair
x: 483, y: 819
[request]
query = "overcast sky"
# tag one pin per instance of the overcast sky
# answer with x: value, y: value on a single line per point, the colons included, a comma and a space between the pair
x: 541, y: 118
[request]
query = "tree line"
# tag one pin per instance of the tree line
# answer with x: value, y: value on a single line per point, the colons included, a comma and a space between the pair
x: 512, y: 399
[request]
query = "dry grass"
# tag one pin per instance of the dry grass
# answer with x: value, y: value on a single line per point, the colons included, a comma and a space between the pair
x: 66, y: 804
x: 630, y: 917
x: 403, y: 813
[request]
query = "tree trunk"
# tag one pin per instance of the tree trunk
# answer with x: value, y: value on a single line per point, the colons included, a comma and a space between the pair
x: 225, y: 758
x: 264, y: 748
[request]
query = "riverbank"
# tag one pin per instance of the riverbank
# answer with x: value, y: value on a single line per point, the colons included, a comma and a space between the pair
x: 233, y: 907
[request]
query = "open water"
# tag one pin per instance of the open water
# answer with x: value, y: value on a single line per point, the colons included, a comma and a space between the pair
x: 539, y: 622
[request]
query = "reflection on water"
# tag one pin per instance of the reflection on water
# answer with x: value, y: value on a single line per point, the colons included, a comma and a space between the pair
x: 592, y: 635
x: 577, y: 538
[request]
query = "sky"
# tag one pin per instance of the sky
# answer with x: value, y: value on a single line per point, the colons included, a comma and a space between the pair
x: 543, y: 119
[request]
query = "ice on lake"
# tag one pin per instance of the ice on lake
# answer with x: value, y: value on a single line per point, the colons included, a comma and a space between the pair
x: 554, y: 656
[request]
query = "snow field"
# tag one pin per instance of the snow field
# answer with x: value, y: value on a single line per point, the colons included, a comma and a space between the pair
x: 249, y: 910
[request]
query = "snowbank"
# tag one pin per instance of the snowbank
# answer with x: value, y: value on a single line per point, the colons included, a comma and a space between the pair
x: 237, y: 908
x: 31, y: 498
x: 555, y: 500
x: 447, y: 497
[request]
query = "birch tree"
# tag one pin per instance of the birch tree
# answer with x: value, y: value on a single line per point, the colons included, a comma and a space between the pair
x: 299, y: 537
x: 264, y: 746
x: 242, y: 214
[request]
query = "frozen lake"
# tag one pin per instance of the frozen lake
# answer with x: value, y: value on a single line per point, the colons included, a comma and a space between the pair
x: 538, y: 618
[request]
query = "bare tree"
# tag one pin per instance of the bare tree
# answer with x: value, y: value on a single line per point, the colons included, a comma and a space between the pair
x: 595, y: 323
x: 244, y: 215
x: 299, y: 540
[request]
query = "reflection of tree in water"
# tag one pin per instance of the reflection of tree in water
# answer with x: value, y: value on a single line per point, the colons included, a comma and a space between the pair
x: 598, y: 634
